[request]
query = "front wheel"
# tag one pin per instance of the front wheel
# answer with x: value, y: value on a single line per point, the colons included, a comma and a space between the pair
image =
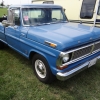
x: 42, y: 69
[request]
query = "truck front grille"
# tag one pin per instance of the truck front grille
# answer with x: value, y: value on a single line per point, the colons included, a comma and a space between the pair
x: 84, y: 51
x: 96, y: 46
x: 81, y: 52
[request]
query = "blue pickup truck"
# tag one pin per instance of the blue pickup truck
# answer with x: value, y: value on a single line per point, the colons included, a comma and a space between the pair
x: 57, y: 48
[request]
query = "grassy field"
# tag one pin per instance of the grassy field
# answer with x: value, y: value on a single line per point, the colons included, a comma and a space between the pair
x: 18, y: 82
x: 3, y: 11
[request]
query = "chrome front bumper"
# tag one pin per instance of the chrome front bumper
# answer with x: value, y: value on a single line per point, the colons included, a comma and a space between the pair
x: 66, y: 75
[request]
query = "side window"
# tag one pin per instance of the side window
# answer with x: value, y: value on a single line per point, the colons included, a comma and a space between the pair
x: 57, y: 14
x: 16, y: 16
x: 36, y: 14
x: 87, y: 9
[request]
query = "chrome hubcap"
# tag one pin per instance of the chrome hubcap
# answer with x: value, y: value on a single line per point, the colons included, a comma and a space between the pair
x: 40, y: 68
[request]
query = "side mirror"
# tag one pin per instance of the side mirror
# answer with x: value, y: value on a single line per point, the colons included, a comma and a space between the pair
x: 6, y: 23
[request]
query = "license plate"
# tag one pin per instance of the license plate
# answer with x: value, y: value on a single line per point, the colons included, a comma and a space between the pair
x: 92, y: 62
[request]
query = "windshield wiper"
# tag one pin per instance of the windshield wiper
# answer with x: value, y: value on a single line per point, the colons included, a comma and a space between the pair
x: 58, y: 22
x: 39, y: 24
x: 46, y: 23
x: 36, y: 24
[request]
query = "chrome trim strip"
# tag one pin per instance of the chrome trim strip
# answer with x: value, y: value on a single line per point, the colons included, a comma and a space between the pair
x: 92, y: 48
x: 73, y: 61
x: 97, y: 42
x: 79, y: 48
x: 66, y: 75
x: 95, y: 51
x: 80, y: 58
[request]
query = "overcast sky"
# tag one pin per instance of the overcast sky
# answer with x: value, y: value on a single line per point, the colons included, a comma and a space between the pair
x: 9, y: 2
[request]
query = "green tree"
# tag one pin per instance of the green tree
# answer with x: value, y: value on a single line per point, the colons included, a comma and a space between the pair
x: 2, y: 3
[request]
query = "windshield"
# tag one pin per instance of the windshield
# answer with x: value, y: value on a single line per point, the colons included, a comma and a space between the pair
x: 36, y: 16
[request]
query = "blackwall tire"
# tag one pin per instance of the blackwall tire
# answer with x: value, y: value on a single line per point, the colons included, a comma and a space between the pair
x: 42, y: 70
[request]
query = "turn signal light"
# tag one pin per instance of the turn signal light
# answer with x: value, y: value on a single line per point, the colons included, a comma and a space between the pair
x: 52, y: 45
x: 61, y: 68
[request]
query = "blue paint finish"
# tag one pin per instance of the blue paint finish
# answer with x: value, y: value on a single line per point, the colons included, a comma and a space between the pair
x: 2, y: 34
x: 13, y: 36
x: 49, y: 53
x: 65, y: 35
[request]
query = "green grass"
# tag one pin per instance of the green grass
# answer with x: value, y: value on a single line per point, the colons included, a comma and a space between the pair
x: 18, y: 82
x: 3, y: 11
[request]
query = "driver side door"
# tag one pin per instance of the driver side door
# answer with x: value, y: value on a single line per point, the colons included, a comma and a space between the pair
x: 13, y: 31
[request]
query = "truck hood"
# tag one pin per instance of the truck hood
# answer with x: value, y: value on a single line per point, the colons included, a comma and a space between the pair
x: 65, y: 35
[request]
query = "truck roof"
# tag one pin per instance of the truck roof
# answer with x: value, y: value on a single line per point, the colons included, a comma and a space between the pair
x: 36, y: 6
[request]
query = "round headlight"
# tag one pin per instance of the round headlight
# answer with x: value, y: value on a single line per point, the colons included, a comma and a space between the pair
x: 65, y: 58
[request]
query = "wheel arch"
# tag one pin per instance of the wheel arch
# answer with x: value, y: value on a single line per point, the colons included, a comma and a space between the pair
x: 47, y: 56
x: 32, y: 53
